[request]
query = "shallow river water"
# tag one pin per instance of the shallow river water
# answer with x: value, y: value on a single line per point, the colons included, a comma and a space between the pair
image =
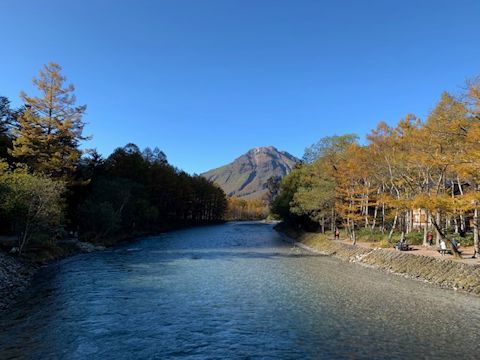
x: 233, y: 291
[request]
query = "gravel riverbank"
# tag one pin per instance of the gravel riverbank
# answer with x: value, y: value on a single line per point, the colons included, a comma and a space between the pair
x: 15, y: 276
x: 446, y: 273
x: 16, y: 273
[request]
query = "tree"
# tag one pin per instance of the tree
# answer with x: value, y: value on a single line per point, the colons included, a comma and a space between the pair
x: 33, y: 203
x: 273, y: 187
x: 469, y: 165
x: 154, y: 156
x: 354, y: 188
x: 134, y: 191
x: 329, y: 147
x: 49, y: 131
x: 245, y: 209
x: 7, y: 119
x: 109, y: 208
x: 316, y: 195
x: 7, y: 115
x: 281, y: 205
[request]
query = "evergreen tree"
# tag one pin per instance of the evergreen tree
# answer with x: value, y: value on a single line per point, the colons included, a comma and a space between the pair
x: 7, y: 119
x: 6, y: 115
x: 49, y: 131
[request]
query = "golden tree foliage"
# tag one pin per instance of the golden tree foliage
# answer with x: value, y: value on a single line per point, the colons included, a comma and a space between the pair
x: 431, y: 166
x: 354, y: 187
x: 50, y: 129
x: 245, y: 209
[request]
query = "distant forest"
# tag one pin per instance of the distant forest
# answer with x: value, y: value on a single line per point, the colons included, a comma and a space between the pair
x: 51, y: 189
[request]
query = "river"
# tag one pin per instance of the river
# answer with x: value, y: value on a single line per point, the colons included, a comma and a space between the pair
x: 232, y: 291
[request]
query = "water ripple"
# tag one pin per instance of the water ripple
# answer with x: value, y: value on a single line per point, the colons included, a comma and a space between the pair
x: 232, y: 291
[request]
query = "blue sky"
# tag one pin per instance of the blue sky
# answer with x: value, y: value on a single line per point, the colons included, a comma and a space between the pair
x: 207, y: 80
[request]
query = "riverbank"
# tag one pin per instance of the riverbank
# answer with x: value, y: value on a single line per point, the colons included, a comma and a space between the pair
x: 446, y: 273
x: 16, y: 272
x: 15, y: 276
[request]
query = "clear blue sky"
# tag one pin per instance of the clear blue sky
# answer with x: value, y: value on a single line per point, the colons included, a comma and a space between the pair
x: 208, y: 80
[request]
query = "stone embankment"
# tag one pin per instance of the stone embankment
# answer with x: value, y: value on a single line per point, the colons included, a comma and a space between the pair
x: 16, y: 273
x: 446, y: 273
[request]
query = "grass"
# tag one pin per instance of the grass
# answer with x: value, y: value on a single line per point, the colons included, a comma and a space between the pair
x: 381, y: 239
x: 467, y: 240
x: 412, y: 238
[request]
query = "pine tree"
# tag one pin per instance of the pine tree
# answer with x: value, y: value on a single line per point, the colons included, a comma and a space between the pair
x: 49, y: 131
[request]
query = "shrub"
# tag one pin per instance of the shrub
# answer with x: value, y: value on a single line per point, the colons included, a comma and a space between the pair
x: 33, y: 204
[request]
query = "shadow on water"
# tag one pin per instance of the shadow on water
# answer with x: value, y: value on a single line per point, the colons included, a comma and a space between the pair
x: 226, y: 255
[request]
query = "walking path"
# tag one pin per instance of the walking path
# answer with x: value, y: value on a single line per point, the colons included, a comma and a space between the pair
x: 467, y: 251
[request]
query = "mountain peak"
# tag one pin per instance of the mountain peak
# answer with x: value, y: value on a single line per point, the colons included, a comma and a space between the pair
x: 263, y: 149
x: 247, y: 175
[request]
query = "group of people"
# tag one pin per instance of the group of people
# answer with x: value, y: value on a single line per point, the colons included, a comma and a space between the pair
x: 443, y: 246
x: 402, y: 245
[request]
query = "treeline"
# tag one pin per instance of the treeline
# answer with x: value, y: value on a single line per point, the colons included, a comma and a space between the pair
x: 50, y: 188
x: 246, y: 209
x: 418, y: 173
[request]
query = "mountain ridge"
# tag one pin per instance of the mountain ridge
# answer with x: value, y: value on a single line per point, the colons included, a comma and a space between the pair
x: 247, y: 175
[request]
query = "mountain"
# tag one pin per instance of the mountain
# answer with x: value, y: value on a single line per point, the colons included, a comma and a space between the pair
x: 247, y: 175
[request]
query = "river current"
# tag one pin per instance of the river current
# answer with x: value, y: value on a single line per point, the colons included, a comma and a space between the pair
x: 236, y: 290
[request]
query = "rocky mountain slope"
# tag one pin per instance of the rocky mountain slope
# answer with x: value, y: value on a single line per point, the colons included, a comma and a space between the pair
x: 247, y: 176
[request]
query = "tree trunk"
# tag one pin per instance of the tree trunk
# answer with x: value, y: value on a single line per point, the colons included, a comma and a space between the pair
x: 455, y: 225
x: 23, y: 240
x: 463, y: 226
x: 425, y: 230
x: 374, y: 221
x: 404, y: 225
x: 410, y: 221
x: 393, y: 226
x: 354, y: 236
x: 454, y: 249
x: 476, y: 245
x: 462, y: 218
x: 383, y: 218
x: 438, y: 233
x: 334, y: 222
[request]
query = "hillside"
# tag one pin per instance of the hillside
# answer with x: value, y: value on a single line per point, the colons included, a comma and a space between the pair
x: 247, y: 176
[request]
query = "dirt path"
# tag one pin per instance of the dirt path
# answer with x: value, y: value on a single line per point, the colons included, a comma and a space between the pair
x: 467, y: 251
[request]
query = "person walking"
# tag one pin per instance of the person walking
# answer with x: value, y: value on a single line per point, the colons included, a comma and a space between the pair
x: 430, y: 238
x: 337, y: 234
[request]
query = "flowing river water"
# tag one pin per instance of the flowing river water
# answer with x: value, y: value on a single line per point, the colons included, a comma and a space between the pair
x: 233, y: 291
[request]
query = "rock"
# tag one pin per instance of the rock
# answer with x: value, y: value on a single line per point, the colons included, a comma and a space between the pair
x: 87, y: 247
x: 14, y: 250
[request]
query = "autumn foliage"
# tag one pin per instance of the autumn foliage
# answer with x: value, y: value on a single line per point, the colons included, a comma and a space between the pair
x: 245, y: 209
x: 429, y: 167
